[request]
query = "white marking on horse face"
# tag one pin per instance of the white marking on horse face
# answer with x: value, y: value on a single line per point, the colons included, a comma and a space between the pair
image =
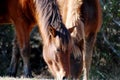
x: 57, y: 42
x: 60, y: 75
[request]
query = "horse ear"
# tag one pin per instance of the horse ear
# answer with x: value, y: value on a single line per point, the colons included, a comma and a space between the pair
x: 71, y: 29
x: 52, y: 31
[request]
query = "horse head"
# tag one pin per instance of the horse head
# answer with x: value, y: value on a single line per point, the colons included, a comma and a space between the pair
x: 57, y: 53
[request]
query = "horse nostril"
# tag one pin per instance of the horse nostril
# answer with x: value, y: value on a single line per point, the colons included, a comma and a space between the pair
x: 64, y: 78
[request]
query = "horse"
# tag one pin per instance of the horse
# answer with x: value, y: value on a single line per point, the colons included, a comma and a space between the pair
x: 57, y: 43
x: 84, y: 19
x: 86, y: 22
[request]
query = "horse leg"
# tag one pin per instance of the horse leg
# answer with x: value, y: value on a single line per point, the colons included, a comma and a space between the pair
x: 90, y: 41
x: 12, y: 70
x: 23, y: 36
x: 25, y: 54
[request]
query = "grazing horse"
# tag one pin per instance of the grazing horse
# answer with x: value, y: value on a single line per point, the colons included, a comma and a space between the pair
x: 24, y: 14
x: 83, y: 18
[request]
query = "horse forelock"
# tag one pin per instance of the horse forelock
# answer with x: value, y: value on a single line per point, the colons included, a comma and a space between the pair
x: 65, y: 39
x: 50, y: 17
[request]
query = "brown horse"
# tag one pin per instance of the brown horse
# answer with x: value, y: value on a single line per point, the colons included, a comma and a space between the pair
x: 24, y: 14
x: 83, y: 18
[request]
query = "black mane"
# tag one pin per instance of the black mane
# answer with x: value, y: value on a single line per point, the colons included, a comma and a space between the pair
x: 51, y: 16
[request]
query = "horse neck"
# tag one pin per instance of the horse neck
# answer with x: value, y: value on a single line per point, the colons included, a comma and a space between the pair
x: 44, y: 34
x: 48, y: 15
x: 73, y: 13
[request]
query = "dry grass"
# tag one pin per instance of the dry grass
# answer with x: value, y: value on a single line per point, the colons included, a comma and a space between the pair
x: 9, y: 78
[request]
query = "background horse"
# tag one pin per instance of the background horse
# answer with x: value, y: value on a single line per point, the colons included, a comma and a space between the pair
x: 24, y: 14
x: 83, y: 17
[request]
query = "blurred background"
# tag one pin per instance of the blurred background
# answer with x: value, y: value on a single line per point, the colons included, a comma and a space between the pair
x: 106, y: 53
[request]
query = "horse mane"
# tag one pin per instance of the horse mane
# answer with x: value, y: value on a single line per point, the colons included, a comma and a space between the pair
x: 51, y: 17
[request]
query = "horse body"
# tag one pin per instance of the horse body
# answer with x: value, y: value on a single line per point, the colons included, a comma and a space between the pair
x: 24, y: 14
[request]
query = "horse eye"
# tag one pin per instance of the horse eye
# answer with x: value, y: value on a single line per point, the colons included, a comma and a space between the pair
x: 59, y: 50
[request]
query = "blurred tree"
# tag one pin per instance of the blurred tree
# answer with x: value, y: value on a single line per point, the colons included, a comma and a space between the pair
x: 6, y: 36
x: 106, y: 58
